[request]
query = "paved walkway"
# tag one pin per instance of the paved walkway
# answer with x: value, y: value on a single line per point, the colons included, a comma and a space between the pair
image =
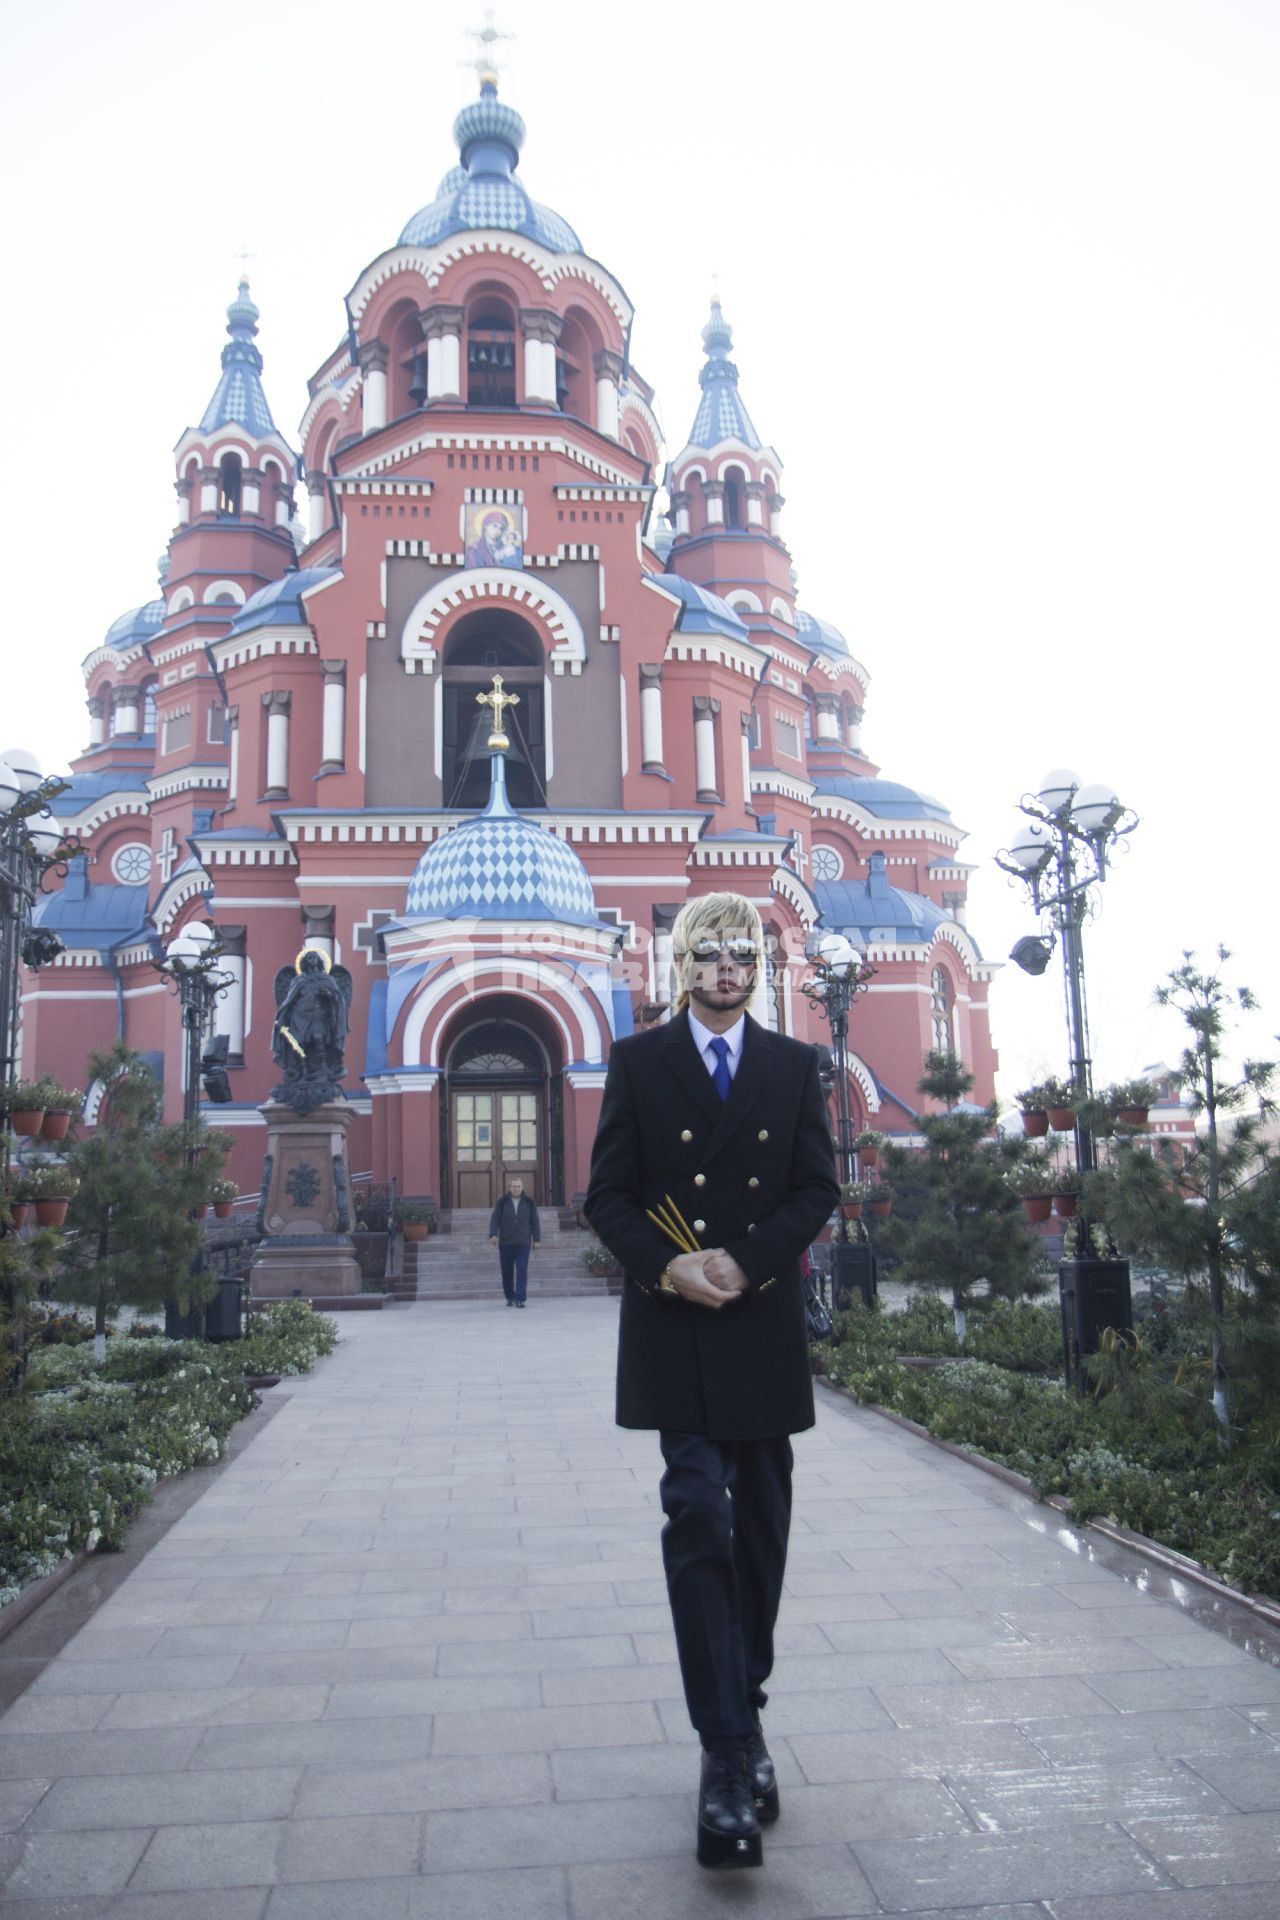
x: 409, y: 1655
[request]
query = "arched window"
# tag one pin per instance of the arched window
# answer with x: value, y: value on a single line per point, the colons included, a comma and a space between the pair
x: 491, y: 355
x: 406, y: 363
x: 735, y: 499
x: 229, y: 481
x: 493, y: 640
x: 940, y: 1004
x: 148, y: 706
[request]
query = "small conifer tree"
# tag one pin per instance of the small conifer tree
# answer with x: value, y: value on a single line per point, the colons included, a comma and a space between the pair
x: 957, y: 1224
x: 133, y: 1228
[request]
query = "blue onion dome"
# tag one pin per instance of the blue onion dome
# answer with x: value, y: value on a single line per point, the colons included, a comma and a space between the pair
x: 482, y: 193
x: 280, y: 604
x: 135, y: 627
x: 238, y: 399
x: 722, y: 412
x: 499, y: 866
x: 820, y: 635
x: 888, y: 799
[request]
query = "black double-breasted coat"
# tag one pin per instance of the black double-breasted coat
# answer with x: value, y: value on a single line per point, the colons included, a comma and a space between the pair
x: 754, y: 1174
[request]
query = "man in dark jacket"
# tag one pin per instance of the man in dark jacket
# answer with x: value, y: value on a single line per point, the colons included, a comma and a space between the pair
x: 514, y: 1230
x: 726, y: 1120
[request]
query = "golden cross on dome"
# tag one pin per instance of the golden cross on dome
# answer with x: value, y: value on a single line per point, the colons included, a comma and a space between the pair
x: 485, y: 59
x: 498, y: 700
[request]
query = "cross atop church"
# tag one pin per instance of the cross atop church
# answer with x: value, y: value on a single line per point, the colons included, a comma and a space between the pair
x: 498, y: 700
x: 485, y: 59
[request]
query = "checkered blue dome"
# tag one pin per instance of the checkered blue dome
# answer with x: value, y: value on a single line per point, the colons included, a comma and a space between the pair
x: 238, y: 398
x: 722, y: 412
x: 482, y: 193
x: 501, y: 867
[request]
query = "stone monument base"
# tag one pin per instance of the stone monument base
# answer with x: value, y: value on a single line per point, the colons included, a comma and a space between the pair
x: 305, y: 1211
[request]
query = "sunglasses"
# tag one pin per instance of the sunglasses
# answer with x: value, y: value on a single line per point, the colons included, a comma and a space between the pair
x: 744, y: 953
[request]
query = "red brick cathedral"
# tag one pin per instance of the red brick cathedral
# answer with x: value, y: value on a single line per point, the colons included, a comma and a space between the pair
x: 287, y: 743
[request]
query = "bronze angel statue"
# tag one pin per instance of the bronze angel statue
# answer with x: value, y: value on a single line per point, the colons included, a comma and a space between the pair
x: 313, y: 998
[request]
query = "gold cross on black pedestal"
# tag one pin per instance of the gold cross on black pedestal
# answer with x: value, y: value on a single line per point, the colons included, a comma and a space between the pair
x: 498, y: 700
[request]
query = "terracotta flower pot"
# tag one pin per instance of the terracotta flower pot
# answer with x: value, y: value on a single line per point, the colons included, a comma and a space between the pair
x: 1066, y: 1205
x: 56, y: 1122
x: 1062, y: 1119
x: 415, y: 1229
x: 869, y: 1156
x: 1037, y: 1206
x: 21, y: 1212
x: 222, y: 1209
x: 1035, y: 1123
x: 51, y: 1213
x: 882, y: 1209
x: 198, y: 1213
x: 851, y: 1209
x: 1133, y: 1116
x: 27, y: 1121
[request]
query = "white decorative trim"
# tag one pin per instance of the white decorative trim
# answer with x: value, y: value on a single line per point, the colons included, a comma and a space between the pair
x: 513, y: 972
x: 576, y: 491
x: 743, y: 601
x: 772, y: 780
x: 552, y: 269
x: 229, y: 587
x: 188, y: 780
x: 108, y: 806
x: 586, y: 1077
x: 342, y: 393
x: 480, y: 584
x: 360, y: 487
x: 787, y: 886
x: 193, y: 884
x: 526, y: 443
x: 244, y: 853
x: 718, y: 650
x: 236, y: 650
x: 872, y: 826
x: 831, y: 669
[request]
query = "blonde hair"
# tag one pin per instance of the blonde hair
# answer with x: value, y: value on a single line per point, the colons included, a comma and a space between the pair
x: 726, y: 915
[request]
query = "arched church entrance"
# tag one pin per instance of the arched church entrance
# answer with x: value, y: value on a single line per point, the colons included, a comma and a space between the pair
x: 493, y: 640
x: 503, y: 1111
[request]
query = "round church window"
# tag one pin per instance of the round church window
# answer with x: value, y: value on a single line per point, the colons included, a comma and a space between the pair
x: 131, y: 864
x: 827, y: 864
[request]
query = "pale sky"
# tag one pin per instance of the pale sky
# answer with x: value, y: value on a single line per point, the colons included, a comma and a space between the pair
x: 1005, y: 290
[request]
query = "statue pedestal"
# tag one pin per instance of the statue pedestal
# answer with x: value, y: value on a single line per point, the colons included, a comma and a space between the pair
x: 305, y: 1213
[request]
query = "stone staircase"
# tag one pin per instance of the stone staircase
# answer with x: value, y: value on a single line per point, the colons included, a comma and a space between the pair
x: 459, y: 1264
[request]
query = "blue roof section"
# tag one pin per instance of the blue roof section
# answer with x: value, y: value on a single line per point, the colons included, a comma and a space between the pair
x: 482, y: 193
x: 722, y: 414
x: 820, y: 635
x: 84, y: 788
x: 702, y: 611
x: 238, y: 399
x: 887, y: 798
x: 501, y: 867
x: 101, y: 915
x: 280, y: 604
x: 136, y: 627
x: 872, y: 908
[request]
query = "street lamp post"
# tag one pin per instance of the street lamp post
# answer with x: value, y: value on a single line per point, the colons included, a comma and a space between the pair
x: 31, y: 843
x: 839, y: 973
x: 1060, y: 853
x: 192, y: 966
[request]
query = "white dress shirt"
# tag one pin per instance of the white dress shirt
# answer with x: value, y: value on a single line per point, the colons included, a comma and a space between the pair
x: 703, y: 1036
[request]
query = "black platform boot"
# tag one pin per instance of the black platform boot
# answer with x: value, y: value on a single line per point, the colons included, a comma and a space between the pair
x: 728, y: 1831
x: 764, y: 1781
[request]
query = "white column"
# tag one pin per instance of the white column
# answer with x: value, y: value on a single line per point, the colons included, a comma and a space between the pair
x: 283, y: 515
x: 228, y: 1009
x: 680, y: 502
x: 442, y: 329
x: 233, y: 734
x: 317, y: 505
x: 183, y: 490
x: 333, y: 750
x: 608, y: 371
x: 775, y: 515
x: 704, y: 746
x: 755, y: 504
x: 124, y: 714
x: 97, y: 723
x: 373, y: 358
x: 435, y: 382
x: 855, y: 730
x: 651, y: 719
x: 663, y: 986
x: 250, y: 495
x: 277, y: 704
x: 713, y: 494
x: 451, y: 363
x: 828, y: 719
x: 746, y: 759
x: 209, y: 496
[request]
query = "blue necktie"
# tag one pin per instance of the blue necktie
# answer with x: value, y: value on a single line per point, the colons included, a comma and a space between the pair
x: 721, y: 1076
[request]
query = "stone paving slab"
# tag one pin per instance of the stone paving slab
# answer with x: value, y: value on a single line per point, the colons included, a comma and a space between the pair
x: 408, y: 1654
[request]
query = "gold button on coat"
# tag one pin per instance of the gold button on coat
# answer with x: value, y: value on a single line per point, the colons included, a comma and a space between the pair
x: 686, y: 1135
x: 763, y: 1134
x: 753, y: 1182
x: 699, y: 1226
x: 699, y: 1179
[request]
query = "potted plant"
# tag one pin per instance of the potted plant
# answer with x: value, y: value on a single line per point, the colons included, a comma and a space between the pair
x: 1066, y: 1192
x: 867, y: 1147
x: 59, y: 1103
x: 414, y: 1217
x: 1035, y: 1111
x: 1133, y: 1100
x: 223, y: 1193
x: 53, y: 1187
x: 597, y: 1259
x: 26, y: 1108
x: 1031, y: 1182
x: 854, y: 1195
x: 18, y: 1200
x: 882, y: 1200
x: 1061, y: 1104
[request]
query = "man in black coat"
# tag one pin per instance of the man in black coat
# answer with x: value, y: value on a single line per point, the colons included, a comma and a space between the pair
x: 726, y: 1120
x: 514, y: 1230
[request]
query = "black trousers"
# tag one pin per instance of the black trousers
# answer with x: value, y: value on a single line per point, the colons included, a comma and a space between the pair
x: 724, y: 1547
